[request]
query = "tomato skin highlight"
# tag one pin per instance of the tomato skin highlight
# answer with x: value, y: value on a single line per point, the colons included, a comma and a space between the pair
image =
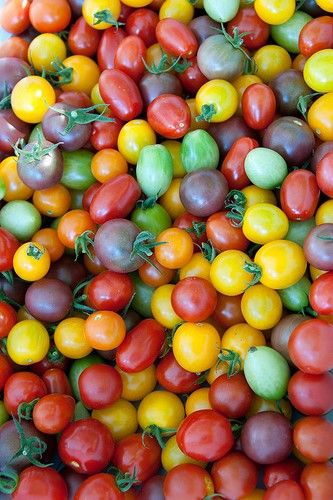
x: 121, y: 93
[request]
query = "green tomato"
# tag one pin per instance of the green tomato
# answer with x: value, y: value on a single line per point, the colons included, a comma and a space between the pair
x: 80, y: 411
x: 154, y: 170
x: 199, y: 150
x: 36, y: 132
x: 221, y: 11
x: 4, y: 415
x: 298, y: 231
x: 21, y: 218
x: 2, y: 189
x: 142, y: 298
x: 267, y: 372
x: 77, y: 368
x: 287, y: 34
x: 77, y: 169
x: 265, y: 168
x: 296, y: 297
x: 154, y: 219
x: 76, y: 196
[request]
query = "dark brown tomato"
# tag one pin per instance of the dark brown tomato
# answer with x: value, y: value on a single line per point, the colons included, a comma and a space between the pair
x: 121, y: 93
x: 105, y: 134
x: 233, y: 164
x: 192, y: 78
x: 173, y: 377
x: 49, y: 299
x: 318, y: 247
x: 110, y: 291
x: 143, y: 22
x: 223, y: 234
x: 266, y: 437
x: 129, y: 56
x: 299, y: 195
x: 316, y: 35
x: 288, y: 86
x: 292, y: 138
x: 176, y: 38
x: 203, y: 27
x: 11, y: 130
x: 231, y: 396
x: 288, y: 469
x: 258, y: 106
x: 282, y: 331
x: 107, y: 47
x: 169, y: 115
x: 83, y: 39
x: 12, y: 70
x: 75, y: 98
x: 226, y: 133
x: 228, y: 310
x: 67, y: 271
x: 153, y: 85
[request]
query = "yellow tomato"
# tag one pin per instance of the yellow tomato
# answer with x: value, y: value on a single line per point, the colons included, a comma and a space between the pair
x: 220, y: 96
x: 255, y: 194
x: 196, y: 346
x: 70, y: 339
x: 219, y: 369
x: 92, y: 7
x: 85, y: 74
x: 318, y: 71
x: 320, y: 117
x: 161, y: 306
x: 44, y: 49
x: 271, y: 60
x: 261, y: 307
x: 173, y: 456
x: 239, y: 338
x: 161, y: 408
x: 282, y: 263
x: 324, y: 214
x: 181, y: 10
x: 154, y: 54
x: 241, y: 83
x: 315, y: 273
x: 120, y: 418
x: 227, y: 272
x: 28, y: 342
x: 96, y: 98
x: 326, y: 5
x: 137, y: 385
x: 31, y: 98
x: 31, y: 261
x: 174, y: 149
x: 264, y: 222
x: 136, y: 3
x: 197, y: 266
x: 198, y: 400
x: 259, y: 404
x: 135, y: 135
x: 171, y: 200
x: 15, y: 189
x: 275, y: 11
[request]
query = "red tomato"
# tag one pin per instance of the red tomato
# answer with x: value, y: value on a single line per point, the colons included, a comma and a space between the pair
x: 107, y: 48
x: 192, y: 78
x: 142, y: 454
x: 169, y: 115
x: 310, y: 346
x: 121, y: 93
x: 15, y: 16
x: 129, y: 56
x: 53, y: 412
x: 110, y: 291
x: 316, y: 35
x: 83, y: 39
x: 6, y: 369
x: 56, y: 381
x: 223, y: 234
x: 99, y: 486
x: 86, y: 446
x: 141, y: 346
x: 176, y: 38
x: 231, y: 396
x: 194, y: 299
x: 47, y: 16
x: 99, y: 385
x: 317, y: 481
x: 228, y: 310
x: 320, y: 295
x: 248, y: 21
x: 281, y: 471
x: 174, y: 378
x: 105, y: 134
x: 205, y: 435
x: 75, y: 98
x: 8, y: 246
x: 324, y: 174
x: 313, y: 438
x: 232, y: 466
x: 8, y: 318
x: 115, y: 199
x: 22, y: 387
x: 299, y: 195
x: 38, y: 483
x: 258, y: 106
x: 311, y: 394
x: 188, y: 482
x: 233, y: 164
x: 89, y: 194
x: 288, y: 490
x: 143, y: 22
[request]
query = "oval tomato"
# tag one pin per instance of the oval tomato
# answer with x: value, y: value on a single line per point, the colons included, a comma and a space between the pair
x: 258, y: 106
x: 233, y: 164
x: 121, y: 93
x: 316, y: 35
x: 299, y: 195
x: 129, y: 56
x: 176, y: 38
x: 324, y: 174
x: 169, y: 116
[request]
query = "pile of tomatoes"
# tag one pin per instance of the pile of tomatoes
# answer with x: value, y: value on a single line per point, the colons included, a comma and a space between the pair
x: 166, y: 250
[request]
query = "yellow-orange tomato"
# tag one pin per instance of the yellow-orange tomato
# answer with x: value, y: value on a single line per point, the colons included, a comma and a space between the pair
x: 72, y: 225
x: 239, y: 338
x: 161, y: 306
x: 320, y: 117
x: 92, y: 7
x: 175, y: 249
x: 105, y: 330
x: 171, y: 200
x: 194, y: 123
x: 198, y: 266
x: 48, y: 237
x: 315, y: 273
x: 53, y: 202
x: 271, y: 60
x: 255, y: 194
x: 174, y: 148
x: 219, y: 369
x: 31, y: 98
x: 137, y: 385
x: 120, y: 418
x: 15, y: 189
x: 107, y: 164
x: 182, y: 10
x: 154, y: 54
x: 198, y: 400
x: 70, y: 338
x: 133, y: 136
x: 324, y: 214
x: 85, y: 74
x: 31, y: 261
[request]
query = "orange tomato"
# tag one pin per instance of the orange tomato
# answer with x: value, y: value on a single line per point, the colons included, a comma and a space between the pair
x: 15, y: 188
x: 48, y: 237
x: 107, y: 164
x: 72, y: 225
x: 171, y: 200
x: 176, y: 249
x: 105, y: 330
x: 53, y: 202
x: 155, y: 277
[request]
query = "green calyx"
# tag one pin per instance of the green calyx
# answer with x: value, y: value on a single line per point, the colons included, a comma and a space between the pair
x: 8, y: 275
x: 143, y: 245
x: 106, y: 16
x: 54, y: 355
x: 83, y: 244
x: 124, y: 480
x: 158, y: 433
x: 304, y: 101
x: 37, y: 150
x: 61, y: 75
x: 78, y: 300
x: 169, y: 339
x: 208, y: 251
x: 9, y: 480
x: 177, y: 64
x: 5, y: 102
x: 24, y: 410
x: 237, y: 42
x: 82, y: 116
x: 207, y: 113
x: 148, y: 203
x: 30, y: 447
x: 34, y: 252
x: 198, y: 228
x: 255, y: 270
x: 235, y: 204
x: 232, y: 358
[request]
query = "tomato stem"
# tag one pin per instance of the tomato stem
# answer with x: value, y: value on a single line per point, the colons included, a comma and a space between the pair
x: 207, y: 113
x: 254, y: 269
x: 158, y: 433
x: 124, y: 480
x: 148, y: 203
x: 237, y: 41
x: 198, y: 228
x: 34, y: 252
x: 8, y: 481
x: 5, y: 102
x: 304, y: 101
x: 24, y: 410
x: 169, y: 339
x: 35, y: 150
x: 8, y: 275
x: 106, y: 16
x: 31, y: 447
x: 208, y: 251
x: 142, y: 246
x: 82, y: 116
x: 128, y: 305
x: 83, y: 242
x: 236, y: 427
x: 178, y: 64
x: 61, y: 75
x: 233, y: 359
x: 54, y: 354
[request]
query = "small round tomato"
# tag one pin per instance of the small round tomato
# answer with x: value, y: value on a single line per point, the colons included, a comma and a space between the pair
x: 169, y: 116
x: 85, y: 74
x: 53, y: 412
x: 227, y: 272
x: 15, y: 46
x: 188, y: 481
x: 275, y: 11
x: 161, y: 306
x: 49, y: 17
x: 48, y: 238
x: 264, y: 222
x: 31, y: 261
x: 317, y: 479
x: 324, y: 172
x: 261, y: 307
x: 172, y: 377
x: 198, y: 400
x: 255, y: 194
x: 311, y: 394
x: 110, y: 291
x: 320, y: 117
x: 324, y: 214
x: 313, y: 438
x: 197, y: 266
x: 231, y: 396
x: 155, y: 275
x: 92, y: 8
x: 15, y: 189
x: 15, y: 16
x: 8, y: 318
x: 176, y: 38
x: 72, y: 225
x: 133, y: 136
x: 52, y: 202
x: 100, y: 385
x: 220, y: 96
x: 46, y: 49
x: 240, y: 337
x: 107, y: 164
x: 194, y: 299
x: 161, y: 408
x: 103, y: 484
x: 271, y: 60
x: 175, y: 248
x: 83, y: 39
x: 26, y: 98
x: 224, y: 234
x: 235, y: 464
x: 137, y: 385
x: 228, y: 310
x: 28, y: 342
x: 317, y: 73
x: 120, y: 418
x: 50, y: 484
x: 70, y: 339
x: 22, y: 387
x: 105, y: 330
x: 8, y: 246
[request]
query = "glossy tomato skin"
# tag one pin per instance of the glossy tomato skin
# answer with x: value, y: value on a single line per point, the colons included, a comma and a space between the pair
x: 8, y: 318
x: 231, y: 396
x: 192, y: 78
x: 53, y: 412
x: 6, y: 369
x: 110, y: 291
x: 141, y: 346
x: 317, y: 480
x: 223, y: 234
x: 115, y: 199
x: 299, y: 195
x: 188, y: 482
x: 224, y: 472
x: 100, y: 485
x: 313, y: 438
x: 258, y: 106
x: 143, y: 22
x: 320, y: 295
x: 316, y: 35
x: 233, y: 164
x: 287, y: 489
x: 172, y: 377
x: 194, y: 299
x: 86, y: 446
x: 121, y: 93
x: 129, y: 56
x: 8, y: 246
x: 169, y: 116
x: 37, y: 483
x: 57, y: 382
x: 176, y: 38
x: 324, y: 173
x: 205, y: 435
x: 100, y: 385
x: 247, y: 20
x: 83, y: 39
x: 22, y: 387
x: 105, y: 134
x: 107, y: 48
x: 281, y: 471
x: 135, y: 452
x: 311, y: 394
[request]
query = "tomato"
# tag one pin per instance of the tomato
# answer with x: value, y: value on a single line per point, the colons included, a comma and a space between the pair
x: 161, y: 306
x: 85, y: 74
x: 288, y: 488
x: 8, y: 318
x: 271, y: 60
x: 171, y: 200
x: 247, y: 20
x: 15, y: 46
x: 45, y: 49
x: 197, y: 266
x: 221, y: 12
x: 8, y: 246
x: 227, y: 272
x: 264, y: 222
x: 220, y: 96
x: 48, y: 17
x: 133, y: 136
x: 56, y: 381
x: 320, y: 117
x: 205, y: 435
x: 107, y: 48
x: 173, y: 456
x: 105, y: 134
x: 228, y: 310
x: 240, y: 337
x: 142, y: 22
x: 91, y: 7
x: 316, y: 35
x: 281, y: 471
x: 198, y: 400
x: 53, y: 412
x: 26, y: 102
x: 324, y: 174
x: 176, y: 249
x: 311, y: 394
x: 233, y: 465
x: 187, y: 481
x: 100, y: 385
x: 299, y: 203
x: 102, y: 485
x: 129, y: 56
x: 15, y: 189
x: 72, y: 224
x: 261, y: 307
x: 124, y: 101
x: 176, y: 38
x: 312, y: 353
x: 83, y: 39
x: 273, y: 11
x: 326, y: 5
x: 255, y: 194
x: 86, y: 446
x: 172, y: 377
x: 120, y: 418
x: 319, y: 296
x: 141, y: 346
x: 155, y: 275
x: 138, y: 384
x: 233, y: 164
x: 258, y: 106
x: 223, y: 234
x: 317, y: 480
x: 317, y: 71
x: 231, y: 396
x: 110, y: 291
x: 48, y: 238
x: 324, y: 213
x: 161, y: 408
x: 28, y: 342
x: 196, y: 346
x: 192, y: 78
x: 53, y: 202
x: 169, y: 116
x: 22, y: 387
x: 154, y: 183
x: 313, y: 437
x: 15, y: 16
x: 38, y: 483
x: 137, y: 454
x: 194, y: 299
x: 105, y: 330
x: 70, y: 339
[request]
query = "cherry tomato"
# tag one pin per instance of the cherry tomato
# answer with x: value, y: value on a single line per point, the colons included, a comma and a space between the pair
x: 287, y: 489
x: 8, y: 318
x: 299, y: 195
x: 313, y: 438
x: 240, y: 338
x: 264, y: 222
x: 258, y: 106
x: 169, y: 116
x: 273, y: 11
x: 100, y: 485
x: 129, y: 56
x: 26, y: 102
x: 143, y: 22
x: 53, y: 202
x: 247, y: 20
x: 125, y: 101
x: 48, y: 17
x: 223, y: 234
x: 324, y: 172
x: 317, y: 71
x: 15, y: 189
x: 56, y: 381
x: 8, y: 246
x: 172, y: 377
x: 105, y: 330
x: 173, y: 456
x: 15, y: 16
x: 261, y: 307
x: 100, y: 385
x: 311, y: 394
x: 83, y: 39
x: 72, y: 224
x: 228, y: 310
x: 70, y: 339
x: 161, y: 408
x: 317, y: 480
x: 22, y: 387
x: 319, y: 296
x: 38, y: 483
x: 176, y: 250
x: 271, y: 60
x: 176, y: 38
x: 320, y: 117
x: 316, y: 35
x: 231, y: 396
x: 189, y: 482
x: 233, y: 164
x: 120, y: 418
x: 28, y: 342
x: 53, y: 412
x: 288, y: 469
x: 91, y: 7
x: 135, y: 135
x: 224, y: 472
x: 137, y: 385
x: 220, y: 96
